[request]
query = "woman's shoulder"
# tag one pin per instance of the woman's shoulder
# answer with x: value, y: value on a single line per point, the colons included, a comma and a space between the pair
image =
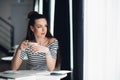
x: 51, y: 40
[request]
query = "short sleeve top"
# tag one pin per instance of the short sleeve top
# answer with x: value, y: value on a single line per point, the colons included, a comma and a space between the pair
x: 37, y: 61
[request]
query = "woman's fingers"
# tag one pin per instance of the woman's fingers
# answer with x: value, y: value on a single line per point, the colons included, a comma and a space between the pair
x: 24, y: 44
x: 34, y: 48
x: 38, y: 48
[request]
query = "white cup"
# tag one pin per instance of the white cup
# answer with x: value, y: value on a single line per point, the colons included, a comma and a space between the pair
x: 32, y: 43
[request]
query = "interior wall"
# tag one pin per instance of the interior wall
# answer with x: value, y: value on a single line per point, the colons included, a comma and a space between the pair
x: 7, y: 12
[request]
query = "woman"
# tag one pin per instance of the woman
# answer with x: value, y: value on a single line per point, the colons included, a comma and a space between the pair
x: 43, y: 54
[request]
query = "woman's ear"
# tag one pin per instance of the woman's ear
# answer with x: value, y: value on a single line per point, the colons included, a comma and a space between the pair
x: 32, y: 28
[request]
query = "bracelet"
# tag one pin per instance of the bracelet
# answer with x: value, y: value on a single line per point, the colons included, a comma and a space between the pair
x: 49, y: 53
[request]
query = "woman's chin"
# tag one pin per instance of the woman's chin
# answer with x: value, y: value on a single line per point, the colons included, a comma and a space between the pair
x: 42, y: 36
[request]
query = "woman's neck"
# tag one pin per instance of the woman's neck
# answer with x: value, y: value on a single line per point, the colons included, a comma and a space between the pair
x: 41, y: 41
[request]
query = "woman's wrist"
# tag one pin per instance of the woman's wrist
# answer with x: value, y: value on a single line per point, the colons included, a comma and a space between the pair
x: 19, y: 50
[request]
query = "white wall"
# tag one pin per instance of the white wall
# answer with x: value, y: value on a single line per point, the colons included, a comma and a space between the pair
x: 101, y: 40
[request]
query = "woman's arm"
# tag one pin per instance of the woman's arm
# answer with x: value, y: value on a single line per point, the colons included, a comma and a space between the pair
x: 50, y: 62
x: 51, y: 54
x: 16, y: 61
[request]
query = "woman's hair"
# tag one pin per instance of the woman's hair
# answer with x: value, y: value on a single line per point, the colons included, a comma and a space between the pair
x: 32, y: 16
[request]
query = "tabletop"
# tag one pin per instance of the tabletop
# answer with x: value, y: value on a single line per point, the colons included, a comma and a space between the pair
x: 33, y: 75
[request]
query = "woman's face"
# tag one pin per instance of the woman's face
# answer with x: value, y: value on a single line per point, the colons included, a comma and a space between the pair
x: 40, y: 28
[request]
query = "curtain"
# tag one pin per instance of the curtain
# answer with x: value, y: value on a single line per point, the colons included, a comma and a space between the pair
x: 101, y: 40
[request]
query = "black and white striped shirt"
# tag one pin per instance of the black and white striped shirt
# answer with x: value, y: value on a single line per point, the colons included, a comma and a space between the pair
x: 37, y: 61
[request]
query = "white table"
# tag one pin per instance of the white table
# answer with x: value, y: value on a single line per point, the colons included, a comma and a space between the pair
x: 30, y: 75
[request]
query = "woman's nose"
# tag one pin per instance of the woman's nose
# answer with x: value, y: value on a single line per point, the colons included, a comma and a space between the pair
x: 43, y: 29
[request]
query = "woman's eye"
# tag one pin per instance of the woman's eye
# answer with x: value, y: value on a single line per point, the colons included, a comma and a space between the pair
x: 39, y: 26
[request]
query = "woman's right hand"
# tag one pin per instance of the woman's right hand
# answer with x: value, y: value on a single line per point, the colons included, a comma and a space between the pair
x: 23, y: 45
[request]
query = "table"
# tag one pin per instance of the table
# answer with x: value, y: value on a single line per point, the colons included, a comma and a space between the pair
x: 30, y: 75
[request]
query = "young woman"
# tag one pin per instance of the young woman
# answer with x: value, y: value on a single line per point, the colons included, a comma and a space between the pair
x: 43, y: 54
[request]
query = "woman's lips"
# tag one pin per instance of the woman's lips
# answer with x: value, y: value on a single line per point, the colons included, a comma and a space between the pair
x: 42, y: 33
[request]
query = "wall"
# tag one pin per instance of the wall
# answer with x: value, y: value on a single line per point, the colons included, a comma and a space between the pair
x: 8, y: 10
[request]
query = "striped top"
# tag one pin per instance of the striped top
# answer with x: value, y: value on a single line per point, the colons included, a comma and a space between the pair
x: 37, y: 61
